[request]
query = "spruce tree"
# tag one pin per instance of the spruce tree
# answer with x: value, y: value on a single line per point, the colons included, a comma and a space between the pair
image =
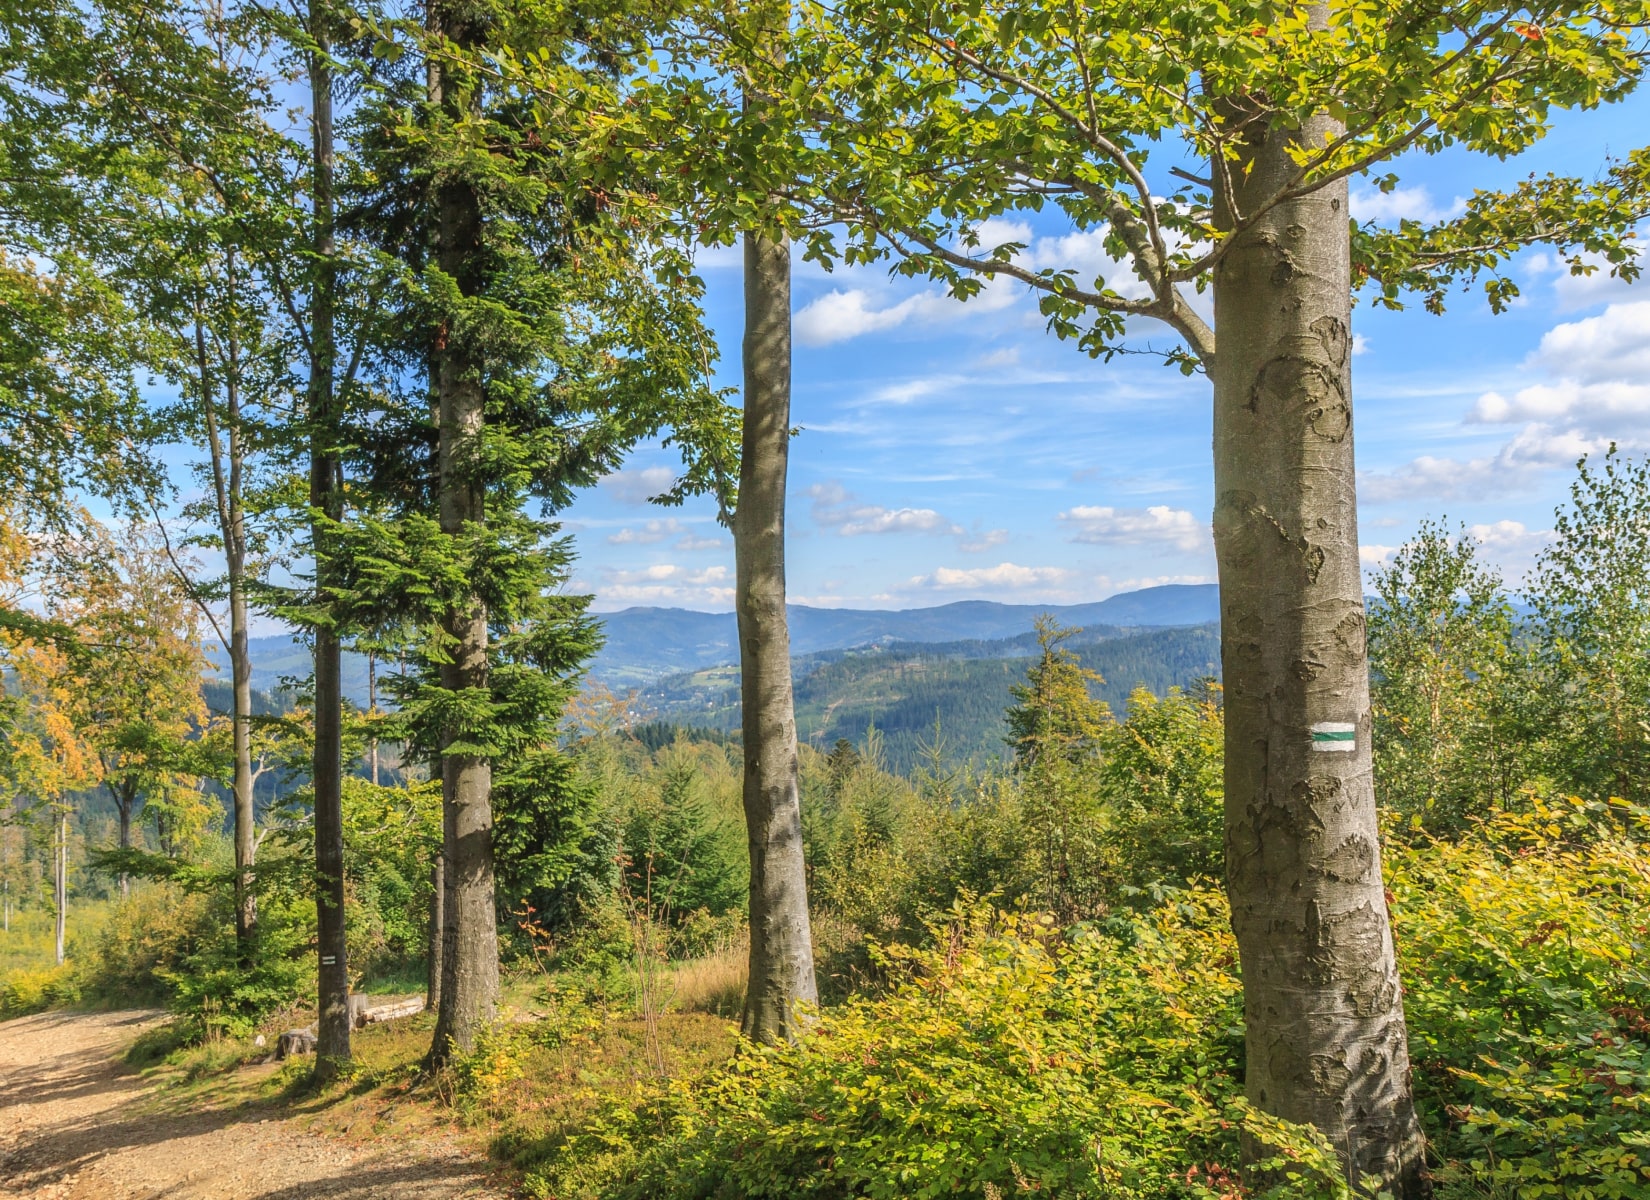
x: 540, y: 335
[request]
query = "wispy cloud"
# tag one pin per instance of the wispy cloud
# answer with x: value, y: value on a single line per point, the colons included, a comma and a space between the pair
x: 637, y: 485
x: 1103, y: 525
x: 668, y: 584
x: 1402, y: 204
x: 647, y: 534
x: 1003, y: 578
x: 837, y: 509
x: 1596, y: 391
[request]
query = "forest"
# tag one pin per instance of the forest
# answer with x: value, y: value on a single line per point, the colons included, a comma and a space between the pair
x: 318, y: 316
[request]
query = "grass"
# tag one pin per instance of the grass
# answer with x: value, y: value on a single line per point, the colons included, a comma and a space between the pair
x: 714, y: 984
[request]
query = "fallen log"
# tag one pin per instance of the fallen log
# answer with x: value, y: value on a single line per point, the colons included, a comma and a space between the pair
x: 392, y: 1011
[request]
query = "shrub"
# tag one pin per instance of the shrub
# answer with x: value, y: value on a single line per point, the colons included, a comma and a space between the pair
x: 1527, y: 972
x: 34, y: 990
x: 1009, y: 1059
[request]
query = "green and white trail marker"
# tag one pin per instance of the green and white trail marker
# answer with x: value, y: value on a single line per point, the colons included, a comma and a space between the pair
x: 1334, y: 735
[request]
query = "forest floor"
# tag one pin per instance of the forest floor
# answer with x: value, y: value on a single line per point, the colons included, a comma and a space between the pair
x: 78, y: 1123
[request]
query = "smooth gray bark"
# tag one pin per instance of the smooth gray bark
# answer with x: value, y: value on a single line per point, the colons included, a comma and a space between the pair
x: 228, y: 463
x: 469, y: 953
x: 1323, y: 1008
x: 326, y: 498
x: 781, y: 950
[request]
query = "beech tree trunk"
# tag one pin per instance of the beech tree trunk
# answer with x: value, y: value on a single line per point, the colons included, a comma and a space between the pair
x: 469, y: 953
x: 228, y: 480
x: 1323, y: 1008
x: 332, y: 1053
x: 781, y: 951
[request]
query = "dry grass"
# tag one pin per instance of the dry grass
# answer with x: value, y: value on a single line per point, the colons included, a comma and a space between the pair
x: 714, y: 984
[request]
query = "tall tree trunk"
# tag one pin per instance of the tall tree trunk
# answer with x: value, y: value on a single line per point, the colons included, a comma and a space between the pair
x: 372, y: 709
x: 60, y: 878
x: 781, y: 952
x: 240, y: 675
x: 125, y: 800
x: 1323, y: 1009
x: 438, y: 931
x: 228, y: 478
x: 332, y: 1051
x: 469, y: 957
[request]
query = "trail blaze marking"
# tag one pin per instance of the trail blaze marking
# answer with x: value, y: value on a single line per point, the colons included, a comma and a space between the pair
x: 1334, y: 735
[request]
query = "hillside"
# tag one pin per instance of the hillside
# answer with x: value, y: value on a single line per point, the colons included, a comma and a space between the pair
x: 645, y: 645
x: 903, y: 688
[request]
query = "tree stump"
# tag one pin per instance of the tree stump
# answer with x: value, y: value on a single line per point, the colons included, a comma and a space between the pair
x: 295, y: 1041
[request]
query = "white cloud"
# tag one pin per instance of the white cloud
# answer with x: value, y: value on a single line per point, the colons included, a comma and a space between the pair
x: 1006, y: 357
x: 637, y: 485
x: 838, y: 509
x: 840, y: 315
x: 1103, y: 525
x: 1535, y: 449
x: 1360, y: 345
x: 690, y: 543
x: 1375, y: 555
x: 1149, y: 581
x: 648, y: 533
x: 1509, y: 536
x: 660, y: 572
x: 1084, y: 254
x: 997, y: 231
x: 667, y: 584
x: 915, y: 389
x: 845, y: 313
x: 1581, y: 291
x: 1614, y: 344
x: 1596, y: 391
x: 976, y: 543
x: 1004, y: 577
x: 1402, y: 204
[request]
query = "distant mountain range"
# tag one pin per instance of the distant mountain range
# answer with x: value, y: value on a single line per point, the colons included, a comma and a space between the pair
x: 949, y: 695
x: 647, y: 646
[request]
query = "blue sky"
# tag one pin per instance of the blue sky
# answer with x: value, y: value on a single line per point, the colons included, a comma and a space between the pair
x: 958, y: 451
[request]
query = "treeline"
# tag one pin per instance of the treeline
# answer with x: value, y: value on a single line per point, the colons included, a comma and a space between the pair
x: 941, y: 698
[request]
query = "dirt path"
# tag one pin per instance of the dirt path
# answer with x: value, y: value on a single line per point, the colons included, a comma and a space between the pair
x: 76, y: 1124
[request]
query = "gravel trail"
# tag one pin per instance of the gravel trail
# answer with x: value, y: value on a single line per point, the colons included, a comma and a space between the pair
x: 77, y: 1124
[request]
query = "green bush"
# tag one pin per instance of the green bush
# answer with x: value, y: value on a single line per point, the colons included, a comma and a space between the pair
x: 1008, y: 1060
x: 1527, y: 987
x: 27, y: 990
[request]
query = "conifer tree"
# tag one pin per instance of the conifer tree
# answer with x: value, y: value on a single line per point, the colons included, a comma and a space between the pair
x: 550, y: 335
